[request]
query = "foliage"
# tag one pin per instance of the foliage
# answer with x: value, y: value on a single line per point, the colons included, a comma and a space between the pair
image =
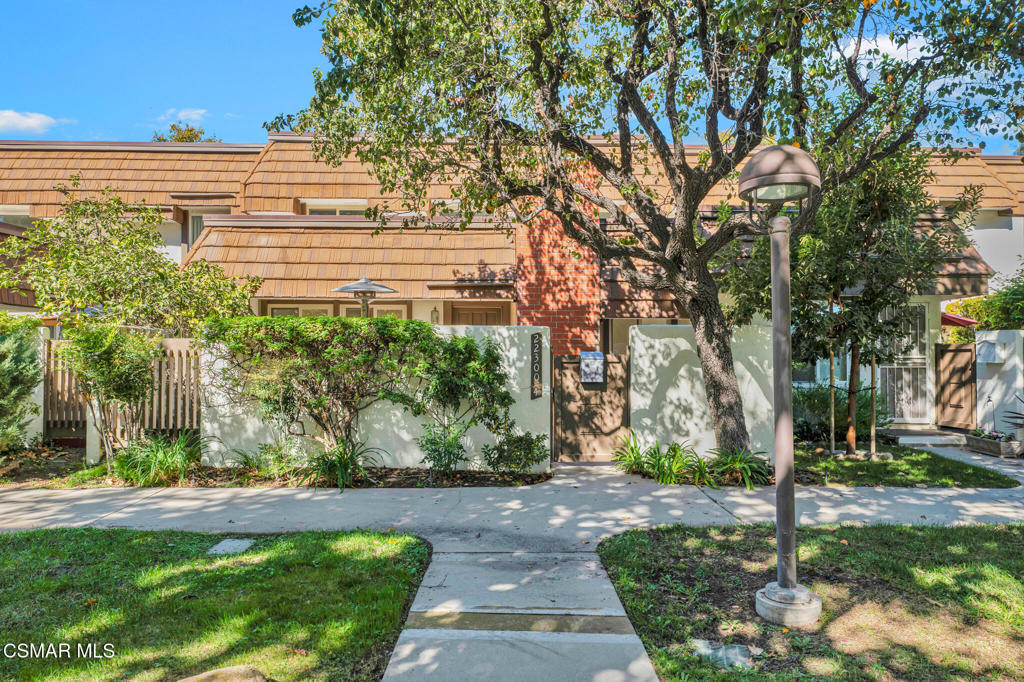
x: 443, y: 448
x: 158, y: 460
x: 113, y: 369
x: 516, y: 453
x: 341, y: 465
x: 629, y: 455
x: 276, y: 460
x: 751, y: 468
x: 20, y: 374
x: 103, y: 255
x: 701, y: 471
x: 811, y: 411
x: 184, y: 132
x: 908, y: 467
x: 1003, y: 309
x: 321, y: 605
x: 460, y: 383
x: 325, y: 369
x: 992, y: 435
x: 551, y: 111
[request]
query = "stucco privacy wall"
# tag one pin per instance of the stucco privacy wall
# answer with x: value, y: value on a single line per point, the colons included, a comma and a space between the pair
x: 1000, y: 376
x: 666, y: 390
x: 228, y: 427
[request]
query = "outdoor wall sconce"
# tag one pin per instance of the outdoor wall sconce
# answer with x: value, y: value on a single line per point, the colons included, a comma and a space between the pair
x: 774, y: 176
x: 364, y: 290
x: 435, y: 316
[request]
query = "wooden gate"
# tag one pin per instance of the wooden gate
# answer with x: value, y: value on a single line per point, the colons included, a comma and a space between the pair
x: 589, y: 418
x: 173, y: 407
x: 956, y: 395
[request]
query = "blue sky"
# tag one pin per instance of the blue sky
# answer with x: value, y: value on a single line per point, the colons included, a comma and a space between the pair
x: 119, y: 70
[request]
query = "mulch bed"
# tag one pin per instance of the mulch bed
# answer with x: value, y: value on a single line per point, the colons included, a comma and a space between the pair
x: 377, y: 478
x: 41, y: 464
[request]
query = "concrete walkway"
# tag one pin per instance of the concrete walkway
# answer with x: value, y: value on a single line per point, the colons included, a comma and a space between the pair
x: 515, y: 590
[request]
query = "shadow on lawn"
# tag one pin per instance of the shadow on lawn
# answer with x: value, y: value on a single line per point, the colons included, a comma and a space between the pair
x: 302, y: 606
x: 900, y: 602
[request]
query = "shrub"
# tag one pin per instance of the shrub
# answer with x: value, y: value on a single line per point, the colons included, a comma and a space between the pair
x: 735, y: 463
x: 340, y: 466
x: 699, y: 470
x: 629, y: 455
x: 271, y: 460
x: 516, y: 453
x: 666, y: 466
x: 158, y: 460
x: 443, y: 448
x: 20, y: 374
x: 810, y: 412
x: 1002, y: 309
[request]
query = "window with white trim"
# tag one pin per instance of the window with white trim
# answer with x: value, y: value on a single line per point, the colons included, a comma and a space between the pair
x: 351, y: 207
x: 376, y: 311
x: 290, y: 310
x: 15, y: 215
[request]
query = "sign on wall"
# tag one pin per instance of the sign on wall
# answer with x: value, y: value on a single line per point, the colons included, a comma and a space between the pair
x: 536, y: 366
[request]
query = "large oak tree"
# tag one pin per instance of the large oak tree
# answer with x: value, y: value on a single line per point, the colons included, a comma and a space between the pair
x: 571, y: 107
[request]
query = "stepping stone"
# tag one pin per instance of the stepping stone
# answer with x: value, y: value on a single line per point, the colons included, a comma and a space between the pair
x: 725, y: 655
x: 230, y: 546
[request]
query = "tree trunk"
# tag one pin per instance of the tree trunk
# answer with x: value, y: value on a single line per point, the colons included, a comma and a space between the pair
x: 874, y: 398
x: 852, y: 384
x: 714, y: 349
x: 831, y: 399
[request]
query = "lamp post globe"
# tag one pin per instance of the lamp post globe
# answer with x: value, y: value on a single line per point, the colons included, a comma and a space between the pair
x: 775, y: 176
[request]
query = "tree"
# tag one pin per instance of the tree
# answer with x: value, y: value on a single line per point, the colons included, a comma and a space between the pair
x: 103, y: 256
x: 857, y: 266
x: 113, y: 368
x: 566, y: 108
x: 325, y: 369
x: 20, y: 374
x: 184, y: 132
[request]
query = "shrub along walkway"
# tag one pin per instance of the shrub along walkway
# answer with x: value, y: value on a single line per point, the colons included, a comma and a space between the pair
x: 515, y: 589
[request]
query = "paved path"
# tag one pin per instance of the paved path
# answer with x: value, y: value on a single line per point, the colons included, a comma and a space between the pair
x: 515, y: 590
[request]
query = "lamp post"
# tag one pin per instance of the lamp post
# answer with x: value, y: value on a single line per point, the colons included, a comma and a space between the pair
x: 775, y: 176
x: 365, y: 290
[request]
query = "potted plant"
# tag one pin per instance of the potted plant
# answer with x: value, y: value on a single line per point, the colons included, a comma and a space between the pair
x: 995, y: 443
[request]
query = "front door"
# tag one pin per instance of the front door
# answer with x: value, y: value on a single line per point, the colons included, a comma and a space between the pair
x: 589, y: 418
x: 904, y: 382
x: 955, y: 390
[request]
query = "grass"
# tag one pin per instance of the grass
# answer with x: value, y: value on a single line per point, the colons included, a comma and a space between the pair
x: 316, y: 605
x: 909, y: 467
x: 900, y: 602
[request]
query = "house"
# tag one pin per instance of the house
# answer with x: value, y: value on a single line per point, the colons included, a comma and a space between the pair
x: 275, y: 211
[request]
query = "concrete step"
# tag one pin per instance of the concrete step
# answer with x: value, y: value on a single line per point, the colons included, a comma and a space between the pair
x: 931, y: 439
x: 457, y: 655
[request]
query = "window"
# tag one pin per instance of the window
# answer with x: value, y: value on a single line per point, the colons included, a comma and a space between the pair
x: 376, y: 311
x: 195, y: 228
x: 300, y: 311
x: 616, y: 330
x: 353, y: 207
x: 196, y: 223
x: 15, y: 215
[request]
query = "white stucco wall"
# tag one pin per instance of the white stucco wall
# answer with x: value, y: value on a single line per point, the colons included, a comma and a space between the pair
x: 1000, y: 382
x: 227, y: 426
x: 1000, y: 241
x: 667, y: 402
x: 170, y: 232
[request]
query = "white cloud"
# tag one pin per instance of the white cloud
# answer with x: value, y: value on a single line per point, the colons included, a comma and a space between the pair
x: 913, y: 48
x: 188, y: 115
x: 28, y: 122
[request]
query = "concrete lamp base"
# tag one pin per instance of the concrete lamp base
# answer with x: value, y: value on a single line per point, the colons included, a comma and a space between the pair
x: 791, y: 607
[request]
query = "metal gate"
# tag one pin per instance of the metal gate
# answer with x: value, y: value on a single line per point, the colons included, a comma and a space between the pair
x: 589, y: 418
x: 956, y: 395
x: 904, y: 383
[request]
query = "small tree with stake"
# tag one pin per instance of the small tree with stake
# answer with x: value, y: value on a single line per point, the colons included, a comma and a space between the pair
x: 856, y: 268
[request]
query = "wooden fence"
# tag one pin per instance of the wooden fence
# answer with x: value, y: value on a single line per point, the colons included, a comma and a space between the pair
x: 173, y: 407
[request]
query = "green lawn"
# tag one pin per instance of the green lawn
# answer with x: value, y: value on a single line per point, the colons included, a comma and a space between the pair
x: 318, y: 605
x: 909, y: 467
x: 900, y: 602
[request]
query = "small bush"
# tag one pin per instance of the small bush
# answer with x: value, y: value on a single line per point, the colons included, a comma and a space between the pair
x: 516, y: 453
x: 20, y: 373
x: 629, y: 456
x: 340, y: 467
x: 271, y: 460
x: 749, y: 468
x: 699, y: 471
x: 158, y: 460
x: 443, y: 448
x: 810, y: 412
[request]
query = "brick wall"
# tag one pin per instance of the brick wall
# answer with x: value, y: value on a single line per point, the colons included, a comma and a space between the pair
x: 558, y: 285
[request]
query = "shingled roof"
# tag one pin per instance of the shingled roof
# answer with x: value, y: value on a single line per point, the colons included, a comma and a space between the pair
x: 305, y: 257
